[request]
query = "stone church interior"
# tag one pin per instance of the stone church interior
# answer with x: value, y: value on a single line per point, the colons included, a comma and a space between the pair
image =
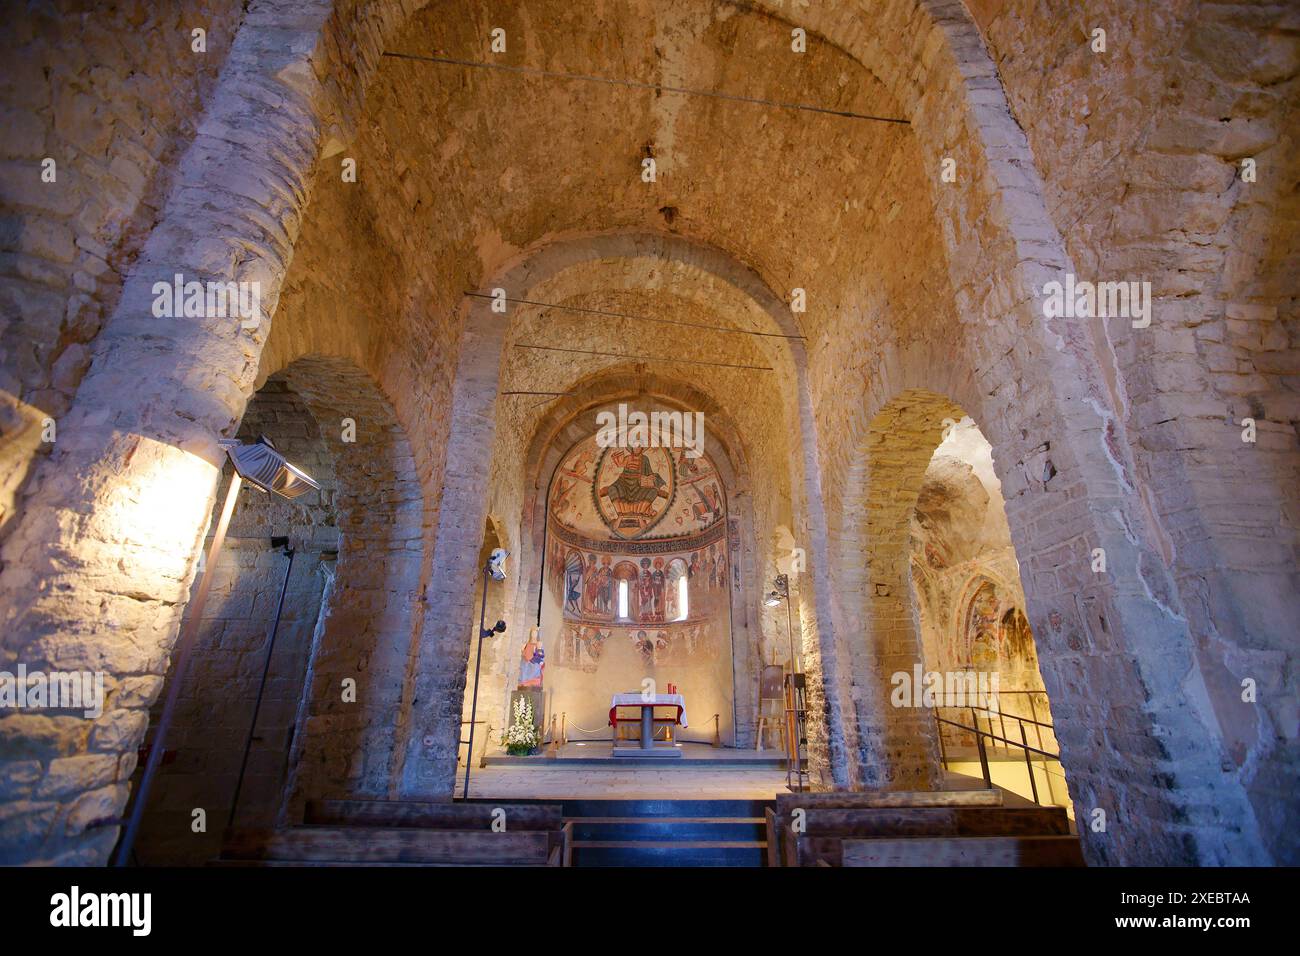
x: 745, y: 433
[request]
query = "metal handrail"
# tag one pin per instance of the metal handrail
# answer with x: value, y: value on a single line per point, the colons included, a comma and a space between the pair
x: 1023, y: 744
x: 1001, y: 713
x: 993, y: 736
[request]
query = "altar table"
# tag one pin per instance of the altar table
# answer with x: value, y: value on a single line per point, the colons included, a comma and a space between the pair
x: 647, y: 707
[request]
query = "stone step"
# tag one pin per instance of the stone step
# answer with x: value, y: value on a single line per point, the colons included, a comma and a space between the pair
x: 605, y: 853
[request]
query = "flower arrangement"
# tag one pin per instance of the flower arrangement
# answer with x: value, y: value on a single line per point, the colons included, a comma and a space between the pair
x: 522, y: 737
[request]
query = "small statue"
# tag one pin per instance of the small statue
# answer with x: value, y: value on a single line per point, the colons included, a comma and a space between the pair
x: 533, y: 660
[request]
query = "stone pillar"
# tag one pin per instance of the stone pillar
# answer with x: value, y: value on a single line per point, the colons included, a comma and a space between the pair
x: 832, y: 751
x: 451, y: 619
x: 97, y: 568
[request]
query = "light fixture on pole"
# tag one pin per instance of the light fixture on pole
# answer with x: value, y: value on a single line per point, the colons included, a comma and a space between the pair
x: 495, y: 569
x: 266, y: 470
x: 795, y: 687
x: 780, y: 593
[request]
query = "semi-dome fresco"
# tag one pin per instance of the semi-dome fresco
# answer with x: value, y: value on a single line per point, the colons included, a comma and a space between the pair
x: 639, y: 575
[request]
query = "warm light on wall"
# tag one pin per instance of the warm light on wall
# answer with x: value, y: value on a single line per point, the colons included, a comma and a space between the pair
x: 159, y: 503
x: 158, y: 506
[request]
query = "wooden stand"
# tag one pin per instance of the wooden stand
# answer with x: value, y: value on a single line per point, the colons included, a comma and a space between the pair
x: 796, y: 732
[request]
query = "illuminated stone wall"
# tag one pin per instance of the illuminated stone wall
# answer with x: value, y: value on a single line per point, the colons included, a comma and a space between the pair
x: 921, y: 300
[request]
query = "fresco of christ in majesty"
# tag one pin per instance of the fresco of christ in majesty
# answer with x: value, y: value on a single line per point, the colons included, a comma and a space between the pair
x: 636, y: 490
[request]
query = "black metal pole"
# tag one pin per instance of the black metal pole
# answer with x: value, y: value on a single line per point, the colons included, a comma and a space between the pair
x: 478, y: 659
x: 261, y: 687
x: 789, y: 629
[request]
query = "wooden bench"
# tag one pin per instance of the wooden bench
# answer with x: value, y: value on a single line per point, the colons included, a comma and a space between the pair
x: 432, y: 814
x: 786, y: 803
x: 942, y: 830
x: 315, y: 845
x: 964, y: 851
x: 408, y: 833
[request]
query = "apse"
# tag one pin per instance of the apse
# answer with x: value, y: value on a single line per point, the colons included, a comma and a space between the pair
x: 639, y: 572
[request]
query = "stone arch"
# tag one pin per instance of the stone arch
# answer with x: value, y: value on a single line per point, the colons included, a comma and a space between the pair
x: 473, y: 407
x: 893, y: 749
x: 567, y: 423
x: 349, y: 594
x: 882, y: 484
x: 243, y: 634
x: 347, y: 748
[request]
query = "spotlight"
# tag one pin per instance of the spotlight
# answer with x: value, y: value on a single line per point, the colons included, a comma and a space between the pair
x: 497, y: 564
x: 773, y: 599
x: 266, y: 469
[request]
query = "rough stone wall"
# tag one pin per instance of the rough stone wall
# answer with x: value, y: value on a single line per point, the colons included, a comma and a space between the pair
x: 1141, y: 149
x: 97, y: 564
x: 1042, y: 398
x: 215, y: 712
x: 915, y: 286
x: 112, y: 94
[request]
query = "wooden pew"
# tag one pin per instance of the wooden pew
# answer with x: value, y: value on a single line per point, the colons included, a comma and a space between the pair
x: 965, y: 851
x: 431, y: 814
x: 408, y: 833
x: 787, y: 803
x: 351, y: 845
x: 826, y: 831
